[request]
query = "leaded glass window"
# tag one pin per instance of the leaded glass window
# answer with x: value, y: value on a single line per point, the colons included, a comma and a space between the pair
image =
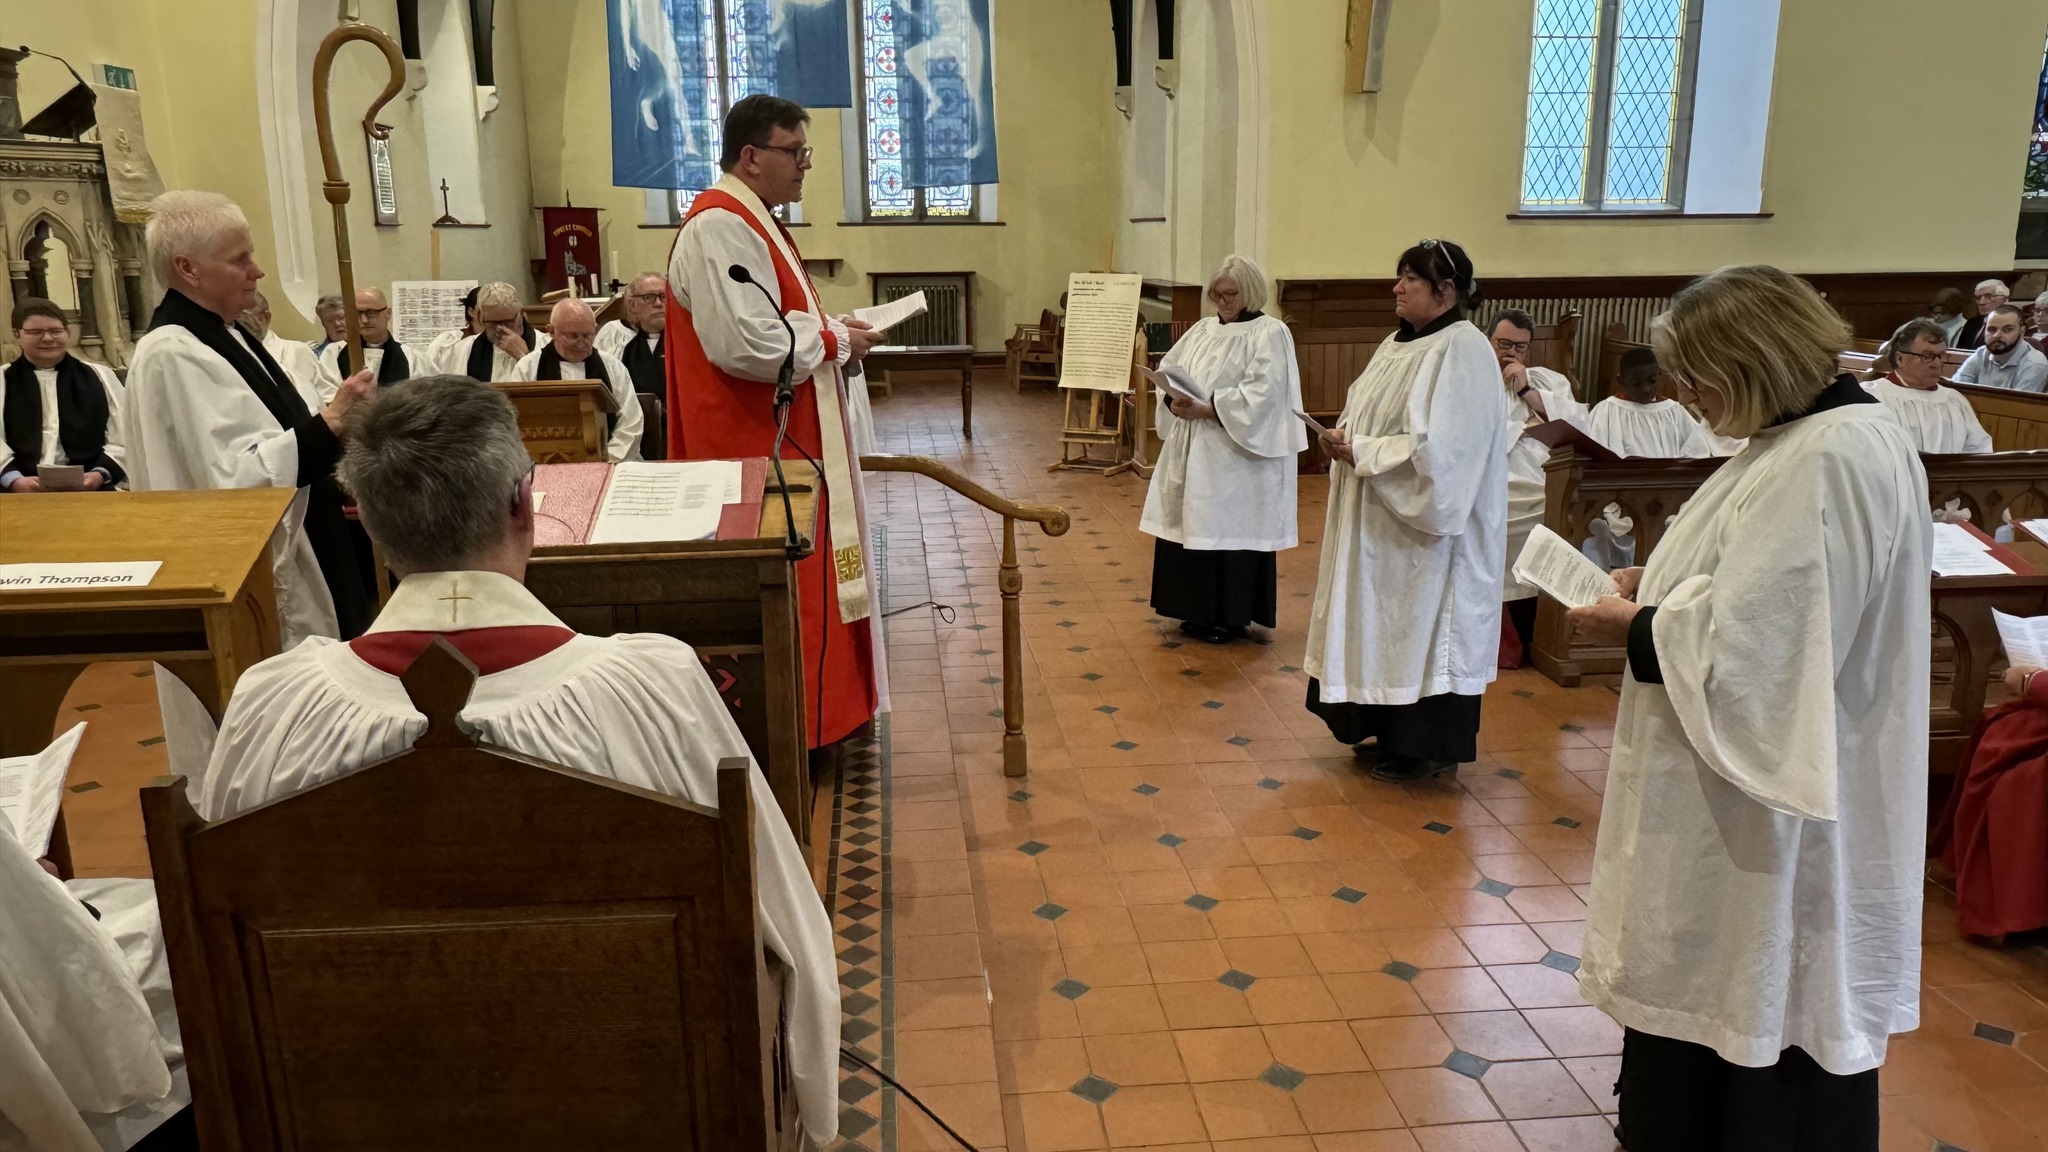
x: 882, y: 132
x: 739, y: 60
x: 2037, y: 145
x: 1610, y: 104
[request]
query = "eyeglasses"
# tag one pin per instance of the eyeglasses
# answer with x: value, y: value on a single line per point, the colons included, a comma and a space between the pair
x: 797, y: 152
x: 373, y: 313
x: 1511, y: 345
x: 41, y: 333
x: 652, y: 298
x: 1926, y: 357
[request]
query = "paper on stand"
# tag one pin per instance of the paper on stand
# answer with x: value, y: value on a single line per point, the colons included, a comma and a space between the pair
x: 2025, y: 639
x: 884, y: 316
x: 650, y: 502
x: 1101, y: 335
x: 1958, y: 553
x: 1561, y: 571
x: 2038, y: 529
x: 423, y: 309
x: 32, y: 790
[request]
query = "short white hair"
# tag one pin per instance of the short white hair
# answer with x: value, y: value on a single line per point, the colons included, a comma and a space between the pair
x: 188, y: 223
x: 658, y: 277
x: 1252, y: 290
x: 498, y: 294
x: 1997, y: 286
x: 564, y: 308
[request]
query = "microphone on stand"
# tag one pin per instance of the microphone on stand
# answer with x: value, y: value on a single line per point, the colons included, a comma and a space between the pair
x: 785, y: 397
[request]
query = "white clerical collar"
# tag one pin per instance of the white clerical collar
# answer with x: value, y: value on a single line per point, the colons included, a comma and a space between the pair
x: 459, y: 601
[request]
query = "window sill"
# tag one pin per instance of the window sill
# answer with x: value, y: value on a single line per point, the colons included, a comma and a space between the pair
x: 920, y: 224
x: 460, y: 224
x: 1148, y: 220
x: 1600, y: 214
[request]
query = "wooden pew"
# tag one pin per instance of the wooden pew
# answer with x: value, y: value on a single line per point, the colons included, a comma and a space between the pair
x: 460, y: 947
x: 2017, y: 421
x: 1649, y: 491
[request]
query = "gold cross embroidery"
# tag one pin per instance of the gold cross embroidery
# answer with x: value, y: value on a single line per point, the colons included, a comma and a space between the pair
x: 454, y: 594
x: 848, y: 562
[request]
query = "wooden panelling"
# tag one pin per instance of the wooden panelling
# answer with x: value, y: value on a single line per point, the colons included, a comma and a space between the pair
x: 2017, y: 421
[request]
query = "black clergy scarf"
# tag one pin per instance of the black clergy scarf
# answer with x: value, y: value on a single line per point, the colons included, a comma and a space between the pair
x: 481, y: 350
x: 319, y: 449
x: 648, y: 365
x: 81, y: 417
x: 1411, y: 332
x: 550, y: 368
x: 391, y: 370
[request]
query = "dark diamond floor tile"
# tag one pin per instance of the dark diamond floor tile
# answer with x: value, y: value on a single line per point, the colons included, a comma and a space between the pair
x: 1305, y: 834
x: 1993, y: 1033
x: 1123, y: 745
x: 1436, y: 826
x: 1049, y: 911
x: 1236, y: 979
x: 1402, y: 970
x: 1093, y: 1089
x: 1509, y: 774
x: 1494, y: 887
x: 1070, y: 989
x: 1270, y: 784
x: 1565, y: 822
x: 1201, y: 903
x: 1282, y: 1077
x: 1146, y: 790
x: 1171, y: 841
x: 1032, y: 847
x: 1348, y: 894
x: 1560, y: 961
x: 1212, y: 704
x: 1466, y: 1064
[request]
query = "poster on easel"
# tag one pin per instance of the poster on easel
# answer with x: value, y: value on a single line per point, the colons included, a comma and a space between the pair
x: 1102, y: 317
x: 423, y: 309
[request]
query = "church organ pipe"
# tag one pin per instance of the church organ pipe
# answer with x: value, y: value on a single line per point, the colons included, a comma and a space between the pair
x: 334, y: 187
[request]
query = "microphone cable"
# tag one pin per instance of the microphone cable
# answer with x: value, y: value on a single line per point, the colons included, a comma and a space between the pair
x: 847, y: 1052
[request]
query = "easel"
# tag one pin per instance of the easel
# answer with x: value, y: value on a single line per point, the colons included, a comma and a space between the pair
x: 1099, y: 422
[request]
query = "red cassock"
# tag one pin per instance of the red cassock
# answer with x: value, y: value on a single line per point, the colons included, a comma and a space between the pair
x: 714, y: 415
x: 1993, y: 832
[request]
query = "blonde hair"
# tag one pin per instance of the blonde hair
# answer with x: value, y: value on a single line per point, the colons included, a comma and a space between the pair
x: 1252, y: 290
x: 497, y: 294
x: 187, y: 223
x: 1759, y: 336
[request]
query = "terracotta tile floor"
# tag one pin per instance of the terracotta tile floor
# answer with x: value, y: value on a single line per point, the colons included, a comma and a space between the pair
x: 1195, y: 925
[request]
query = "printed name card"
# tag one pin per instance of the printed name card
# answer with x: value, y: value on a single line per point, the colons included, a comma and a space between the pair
x: 50, y: 577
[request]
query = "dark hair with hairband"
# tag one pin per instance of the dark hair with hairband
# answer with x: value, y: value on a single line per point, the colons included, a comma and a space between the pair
x: 1439, y: 260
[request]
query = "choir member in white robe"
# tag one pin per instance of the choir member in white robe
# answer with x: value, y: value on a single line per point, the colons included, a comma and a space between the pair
x: 333, y: 317
x: 1637, y: 423
x: 56, y: 408
x: 1755, y: 908
x: 383, y: 355
x: 296, y: 358
x: 90, y: 1052
x: 444, y: 485
x: 1536, y: 395
x: 1223, y: 494
x: 1405, y: 634
x: 439, y: 353
x: 503, y: 337
x: 1939, y: 419
x: 640, y: 341
x: 207, y: 407
x: 569, y: 355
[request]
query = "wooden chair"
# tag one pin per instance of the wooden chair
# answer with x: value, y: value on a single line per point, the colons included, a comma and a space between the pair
x: 464, y: 948
x: 1032, y: 353
x: 654, y: 441
x: 1553, y: 346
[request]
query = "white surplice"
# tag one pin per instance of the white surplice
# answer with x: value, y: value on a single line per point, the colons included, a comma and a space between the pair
x: 301, y: 363
x: 455, y: 361
x: 328, y: 365
x: 1757, y: 878
x: 191, y: 422
x: 634, y: 707
x: 90, y: 1053
x: 1228, y: 483
x: 434, y: 361
x: 613, y: 337
x: 1661, y: 429
x: 1940, y: 420
x: 1408, y: 591
x: 631, y: 423
x: 53, y: 445
x: 1526, y: 458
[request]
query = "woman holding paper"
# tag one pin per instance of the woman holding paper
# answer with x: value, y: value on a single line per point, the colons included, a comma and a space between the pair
x: 1223, y: 494
x: 1755, y: 919
x: 1405, y: 633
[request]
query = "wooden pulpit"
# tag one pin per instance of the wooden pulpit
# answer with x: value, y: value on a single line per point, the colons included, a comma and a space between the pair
x: 562, y: 421
x: 208, y: 614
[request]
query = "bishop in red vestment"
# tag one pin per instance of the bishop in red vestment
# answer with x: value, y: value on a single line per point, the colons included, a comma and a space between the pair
x: 1993, y: 833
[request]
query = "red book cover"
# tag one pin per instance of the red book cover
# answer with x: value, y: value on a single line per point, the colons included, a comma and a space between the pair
x: 573, y: 493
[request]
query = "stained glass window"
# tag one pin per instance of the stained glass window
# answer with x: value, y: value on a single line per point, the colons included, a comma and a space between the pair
x: 882, y: 131
x: 2037, y: 146
x: 739, y: 60
x: 1609, y: 103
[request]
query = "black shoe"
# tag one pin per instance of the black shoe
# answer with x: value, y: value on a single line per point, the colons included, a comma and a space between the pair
x: 1371, y: 755
x: 1409, y: 769
x: 1219, y: 634
x: 1191, y: 629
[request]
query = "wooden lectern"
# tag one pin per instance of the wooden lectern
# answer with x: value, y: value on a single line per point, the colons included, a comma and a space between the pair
x: 209, y: 614
x: 562, y: 421
x: 731, y: 598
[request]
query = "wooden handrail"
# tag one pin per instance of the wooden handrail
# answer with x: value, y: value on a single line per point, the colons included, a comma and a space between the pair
x: 1009, y: 581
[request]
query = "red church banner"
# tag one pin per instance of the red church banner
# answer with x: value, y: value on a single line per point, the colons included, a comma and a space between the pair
x: 573, y: 252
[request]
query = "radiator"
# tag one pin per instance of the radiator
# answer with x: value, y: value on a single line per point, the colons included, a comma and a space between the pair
x: 945, y: 318
x: 1596, y: 314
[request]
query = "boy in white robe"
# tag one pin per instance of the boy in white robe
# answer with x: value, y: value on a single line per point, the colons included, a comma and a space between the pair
x: 570, y: 355
x: 443, y: 482
x: 1939, y: 419
x: 1536, y: 395
x: 1404, y: 635
x: 1223, y: 494
x: 503, y: 337
x: 1754, y: 922
x: 1636, y: 423
x: 207, y: 407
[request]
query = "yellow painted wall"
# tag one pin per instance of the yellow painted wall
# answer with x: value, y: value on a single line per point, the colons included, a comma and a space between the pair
x: 1058, y: 194
x: 195, y: 65
x: 1898, y: 137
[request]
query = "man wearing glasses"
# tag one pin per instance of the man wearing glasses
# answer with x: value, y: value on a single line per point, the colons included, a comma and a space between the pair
x: 1940, y: 420
x: 1535, y: 395
x: 59, y: 410
x: 381, y: 354
x: 741, y: 306
x: 638, y: 340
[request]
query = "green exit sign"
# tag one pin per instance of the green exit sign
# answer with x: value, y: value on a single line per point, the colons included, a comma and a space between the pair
x: 115, y: 76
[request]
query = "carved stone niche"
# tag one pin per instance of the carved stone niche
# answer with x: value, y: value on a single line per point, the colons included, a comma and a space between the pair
x: 63, y: 242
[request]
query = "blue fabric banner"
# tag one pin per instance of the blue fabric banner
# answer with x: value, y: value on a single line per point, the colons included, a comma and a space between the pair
x: 946, y: 85
x: 666, y: 107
